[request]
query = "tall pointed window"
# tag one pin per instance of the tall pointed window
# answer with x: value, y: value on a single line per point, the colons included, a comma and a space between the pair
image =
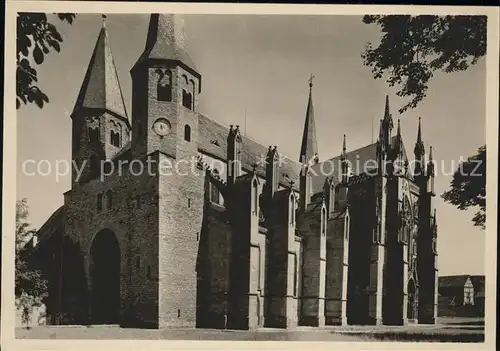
x: 164, y: 86
x: 347, y: 227
x: 255, y: 197
x: 187, y: 96
x: 332, y: 198
x: 187, y: 132
x: 292, y: 210
x: 214, y: 192
x: 323, y: 221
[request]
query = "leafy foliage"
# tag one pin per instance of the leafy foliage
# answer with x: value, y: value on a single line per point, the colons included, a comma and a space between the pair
x: 414, y: 47
x: 411, y: 50
x: 30, y: 286
x: 468, y: 187
x: 36, y: 37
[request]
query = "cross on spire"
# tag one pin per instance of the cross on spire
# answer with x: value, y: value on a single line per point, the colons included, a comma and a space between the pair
x: 311, y: 80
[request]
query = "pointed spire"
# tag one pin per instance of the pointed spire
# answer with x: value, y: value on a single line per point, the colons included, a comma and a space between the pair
x: 101, y: 87
x: 309, y: 147
x: 166, y: 40
x: 419, y: 150
x: 387, y: 113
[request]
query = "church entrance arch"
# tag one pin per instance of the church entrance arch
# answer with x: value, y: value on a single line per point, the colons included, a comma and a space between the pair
x: 105, y: 278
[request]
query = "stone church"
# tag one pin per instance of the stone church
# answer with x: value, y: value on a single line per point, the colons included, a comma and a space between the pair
x: 247, y: 237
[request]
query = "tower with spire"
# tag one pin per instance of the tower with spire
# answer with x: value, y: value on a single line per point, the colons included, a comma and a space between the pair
x: 100, y: 122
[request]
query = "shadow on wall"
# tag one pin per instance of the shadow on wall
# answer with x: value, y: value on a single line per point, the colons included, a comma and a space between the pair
x: 62, y: 265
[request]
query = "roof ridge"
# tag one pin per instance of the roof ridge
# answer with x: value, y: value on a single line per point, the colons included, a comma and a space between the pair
x: 245, y: 136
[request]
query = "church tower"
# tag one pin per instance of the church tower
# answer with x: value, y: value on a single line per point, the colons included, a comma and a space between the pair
x: 165, y: 90
x: 100, y: 122
x: 308, y: 152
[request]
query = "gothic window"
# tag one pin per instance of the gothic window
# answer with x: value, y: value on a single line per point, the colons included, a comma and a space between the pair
x: 292, y: 210
x: 255, y: 197
x: 109, y: 198
x: 276, y: 173
x: 99, y: 202
x: 347, y: 227
x: 187, y: 96
x: 332, y: 199
x: 214, y: 194
x: 93, y: 135
x: 323, y: 221
x: 115, y: 138
x: 295, y: 276
x: 137, y: 262
x: 192, y: 86
x: 187, y: 132
x: 138, y: 201
x: 148, y: 272
x: 406, y: 221
x: 164, y: 87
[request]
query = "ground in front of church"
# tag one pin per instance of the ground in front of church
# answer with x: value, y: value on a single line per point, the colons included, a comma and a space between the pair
x: 448, y: 329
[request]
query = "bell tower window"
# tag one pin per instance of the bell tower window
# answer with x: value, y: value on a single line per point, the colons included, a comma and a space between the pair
x: 164, y: 86
x: 187, y: 95
x: 115, y: 138
x: 187, y: 133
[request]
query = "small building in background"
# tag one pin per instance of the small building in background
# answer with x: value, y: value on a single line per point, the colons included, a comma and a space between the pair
x: 461, y: 295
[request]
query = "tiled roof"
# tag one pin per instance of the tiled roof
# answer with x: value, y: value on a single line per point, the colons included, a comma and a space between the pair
x: 101, y: 87
x: 213, y: 141
x: 55, y: 221
x: 166, y: 40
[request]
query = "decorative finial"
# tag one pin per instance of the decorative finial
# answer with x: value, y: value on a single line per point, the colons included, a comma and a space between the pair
x: 103, y: 20
x: 311, y: 81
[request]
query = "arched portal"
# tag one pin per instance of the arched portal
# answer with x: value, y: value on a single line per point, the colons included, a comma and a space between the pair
x: 105, y: 278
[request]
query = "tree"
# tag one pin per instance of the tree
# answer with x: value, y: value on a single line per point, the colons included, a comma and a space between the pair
x: 468, y: 187
x: 36, y: 37
x: 30, y: 286
x: 414, y: 47
x: 411, y: 50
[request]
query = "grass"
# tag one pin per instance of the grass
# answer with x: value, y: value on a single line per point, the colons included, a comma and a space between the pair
x: 447, y: 330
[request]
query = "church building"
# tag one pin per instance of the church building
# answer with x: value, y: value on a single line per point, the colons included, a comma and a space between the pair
x: 236, y: 235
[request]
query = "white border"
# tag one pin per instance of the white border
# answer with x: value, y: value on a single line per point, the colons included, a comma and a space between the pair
x: 9, y: 185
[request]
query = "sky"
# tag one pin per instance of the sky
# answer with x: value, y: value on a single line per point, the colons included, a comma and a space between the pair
x: 258, y: 66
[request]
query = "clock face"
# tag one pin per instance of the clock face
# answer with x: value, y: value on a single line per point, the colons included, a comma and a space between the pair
x: 161, y: 127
